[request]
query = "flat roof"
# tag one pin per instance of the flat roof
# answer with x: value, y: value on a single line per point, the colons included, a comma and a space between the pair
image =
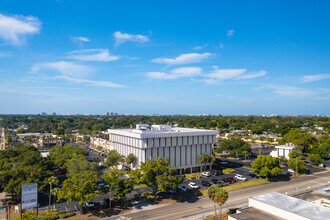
x: 172, y: 131
x: 294, y: 205
x: 252, y: 213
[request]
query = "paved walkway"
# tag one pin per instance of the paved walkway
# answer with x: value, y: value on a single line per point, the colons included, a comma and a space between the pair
x: 2, y: 204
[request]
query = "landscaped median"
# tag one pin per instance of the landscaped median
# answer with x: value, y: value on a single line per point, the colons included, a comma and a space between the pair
x: 240, y: 185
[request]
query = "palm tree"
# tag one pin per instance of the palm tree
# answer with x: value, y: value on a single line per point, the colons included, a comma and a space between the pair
x: 246, y: 154
x: 51, y: 181
x: 218, y: 195
x: 206, y: 158
x: 54, y: 193
x: 210, y: 193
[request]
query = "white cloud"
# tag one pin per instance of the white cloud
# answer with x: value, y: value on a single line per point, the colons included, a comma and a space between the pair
x: 221, y: 45
x: 176, y: 73
x: 230, y: 32
x: 124, y: 37
x: 101, y: 55
x: 198, y: 48
x: 81, y: 39
x: 63, y: 67
x: 184, y: 58
x: 90, y: 82
x: 291, y: 91
x: 253, y: 75
x: 224, y: 74
x: 71, y: 72
x: 313, y: 78
x: 14, y: 29
x: 5, y: 54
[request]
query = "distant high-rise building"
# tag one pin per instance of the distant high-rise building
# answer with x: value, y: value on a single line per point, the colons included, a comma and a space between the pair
x: 2, y: 139
x: 54, y: 113
x: 43, y: 113
x: 111, y: 113
x: 106, y: 114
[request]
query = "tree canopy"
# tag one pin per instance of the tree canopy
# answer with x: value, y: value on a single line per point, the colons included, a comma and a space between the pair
x: 235, y: 146
x: 266, y: 166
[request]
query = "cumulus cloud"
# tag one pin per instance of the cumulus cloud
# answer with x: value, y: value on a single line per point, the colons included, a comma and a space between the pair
x: 176, y: 73
x: 292, y: 91
x: 230, y: 32
x: 63, y: 67
x: 14, y: 29
x: 71, y: 72
x: 252, y: 75
x: 81, y: 39
x: 313, y: 78
x: 224, y: 74
x: 121, y: 38
x: 101, y: 55
x: 183, y: 58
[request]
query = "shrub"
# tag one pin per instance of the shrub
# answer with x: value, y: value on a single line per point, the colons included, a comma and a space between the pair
x: 151, y: 197
x: 67, y: 215
x: 228, y: 170
x: 146, y: 193
x: 193, y: 176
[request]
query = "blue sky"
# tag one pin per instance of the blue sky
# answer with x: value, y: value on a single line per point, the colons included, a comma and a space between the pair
x: 165, y: 57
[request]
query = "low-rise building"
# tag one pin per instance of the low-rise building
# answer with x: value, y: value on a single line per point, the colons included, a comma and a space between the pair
x: 275, y: 205
x: 99, y: 142
x: 283, y: 150
x: 182, y: 146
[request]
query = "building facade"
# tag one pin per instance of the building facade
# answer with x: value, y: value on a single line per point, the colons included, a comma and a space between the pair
x: 182, y: 146
x: 283, y: 150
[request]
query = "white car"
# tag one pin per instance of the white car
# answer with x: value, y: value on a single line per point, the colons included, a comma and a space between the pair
x: 90, y: 204
x: 206, y: 174
x: 291, y: 171
x: 183, y: 188
x: 240, y: 177
x: 193, y: 185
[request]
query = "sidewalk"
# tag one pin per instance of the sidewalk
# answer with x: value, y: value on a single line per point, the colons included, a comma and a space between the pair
x: 2, y: 204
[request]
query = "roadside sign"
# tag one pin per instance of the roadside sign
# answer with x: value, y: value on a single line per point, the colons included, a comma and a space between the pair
x: 29, y: 196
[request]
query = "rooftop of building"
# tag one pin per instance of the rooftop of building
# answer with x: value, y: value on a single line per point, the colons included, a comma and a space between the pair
x: 286, y: 146
x: 252, y: 213
x: 294, y: 205
x: 161, y: 129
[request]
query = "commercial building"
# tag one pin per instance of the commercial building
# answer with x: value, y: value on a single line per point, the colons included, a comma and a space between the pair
x: 182, y: 146
x: 99, y: 142
x: 2, y: 139
x: 283, y: 150
x: 275, y: 205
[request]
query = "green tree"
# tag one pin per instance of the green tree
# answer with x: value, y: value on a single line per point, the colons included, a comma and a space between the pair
x: 55, y: 192
x: 218, y: 195
x: 295, y: 154
x: 266, y: 166
x: 234, y: 145
x: 79, y: 188
x: 113, y: 159
x: 155, y: 173
x: 61, y: 155
x: 315, y: 158
x: 257, y: 129
x: 206, y: 158
x: 78, y: 164
x: 130, y: 159
x: 52, y: 181
x: 302, y: 139
x: 297, y: 164
x: 245, y: 154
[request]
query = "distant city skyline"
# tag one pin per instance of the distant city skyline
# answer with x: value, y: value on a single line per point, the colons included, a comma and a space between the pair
x: 171, y: 57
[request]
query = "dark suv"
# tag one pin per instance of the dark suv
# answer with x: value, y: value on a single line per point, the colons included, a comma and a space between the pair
x: 206, y: 183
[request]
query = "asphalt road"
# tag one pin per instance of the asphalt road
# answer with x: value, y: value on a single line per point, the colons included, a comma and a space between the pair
x: 203, y: 207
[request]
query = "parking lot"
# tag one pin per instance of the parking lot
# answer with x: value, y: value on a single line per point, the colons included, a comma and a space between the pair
x: 239, y: 170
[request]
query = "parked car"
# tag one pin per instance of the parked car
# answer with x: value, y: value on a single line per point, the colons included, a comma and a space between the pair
x: 193, y: 185
x: 206, y: 174
x: 239, y: 158
x: 90, y: 204
x: 253, y: 175
x: 172, y: 191
x: 231, y: 179
x: 63, y: 172
x: 240, y: 177
x: 206, y: 183
x: 183, y: 188
x: 291, y: 170
x: 215, y: 181
x: 216, y: 172
x: 225, y: 180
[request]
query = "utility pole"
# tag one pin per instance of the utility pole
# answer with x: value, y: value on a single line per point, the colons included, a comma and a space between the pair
x: 296, y: 166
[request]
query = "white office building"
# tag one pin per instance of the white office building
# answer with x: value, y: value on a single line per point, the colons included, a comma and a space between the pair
x: 283, y: 150
x: 182, y: 146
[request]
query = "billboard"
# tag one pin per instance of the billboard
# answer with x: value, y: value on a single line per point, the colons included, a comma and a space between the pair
x: 29, y: 196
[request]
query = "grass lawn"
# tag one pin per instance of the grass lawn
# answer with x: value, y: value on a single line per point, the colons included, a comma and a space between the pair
x: 240, y: 185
